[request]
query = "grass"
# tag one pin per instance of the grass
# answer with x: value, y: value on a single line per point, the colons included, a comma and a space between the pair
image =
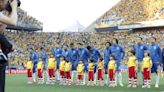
x: 17, y: 83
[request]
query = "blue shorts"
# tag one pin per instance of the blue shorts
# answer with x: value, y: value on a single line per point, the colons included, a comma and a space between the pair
x: 35, y: 68
x: 154, y: 68
x: 85, y: 67
x: 118, y: 66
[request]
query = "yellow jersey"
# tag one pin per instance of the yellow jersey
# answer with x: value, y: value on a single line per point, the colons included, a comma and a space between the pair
x: 100, y: 65
x: 112, y: 65
x: 40, y: 65
x: 68, y: 66
x: 62, y: 65
x: 132, y: 61
x: 29, y: 65
x: 51, y: 63
x: 80, y: 68
x: 91, y: 67
x: 146, y: 63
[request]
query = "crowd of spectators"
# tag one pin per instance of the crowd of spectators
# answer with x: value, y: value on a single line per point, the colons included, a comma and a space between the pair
x: 132, y: 11
x: 23, y: 41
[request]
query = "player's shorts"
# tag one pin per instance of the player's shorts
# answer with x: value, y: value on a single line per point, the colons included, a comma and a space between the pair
x: 100, y: 74
x: 29, y: 73
x: 132, y: 72
x: 58, y: 62
x: 111, y: 74
x: 155, y: 67
x: 118, y: 65
x: 146, y: 74
x: 95, y: 69
x: 51, y: 73
x: 80, y: 77
x: 35, y: 68
x: 90, y: 75
x: 68, y: 75
x: 39, y: 73
x: 62, y: 74
x: 85, y: 67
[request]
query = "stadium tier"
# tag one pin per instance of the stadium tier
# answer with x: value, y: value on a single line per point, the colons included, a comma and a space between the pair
x: 130, y: 13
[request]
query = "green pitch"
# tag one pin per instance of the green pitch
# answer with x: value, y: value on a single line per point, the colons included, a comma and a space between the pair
x: 17, y: 83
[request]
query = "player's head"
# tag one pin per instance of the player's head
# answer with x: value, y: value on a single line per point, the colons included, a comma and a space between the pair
x: 112, y: 57
x: 146, y: 54
x: 114, y: 41
x: 108, y: 44
x: 101, y: 59
x: 131, y: 53
x: 139, y: 41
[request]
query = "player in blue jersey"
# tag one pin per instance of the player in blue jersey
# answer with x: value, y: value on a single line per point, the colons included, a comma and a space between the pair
x: 43, y: 54
x: 95, y: 55
x: 35, y: 57
x: 156, y: 56
x: 119, y: 54
x: 106, y: 60
x: 139, y: 50
x: 73, y: 56
x: 57, y: 51
x: 84, y: 56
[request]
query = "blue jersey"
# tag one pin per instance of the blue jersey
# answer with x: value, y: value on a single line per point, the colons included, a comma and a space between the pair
x: 57, y: 54
x: 73, y: 56
x: 106, y: 57
x: 35, y: 57
x: 44, y: 56
x: 94, y: 54
x: 118, y: 52
x: 139, y: 51
x: 84, y: 54
x: 155, y: 53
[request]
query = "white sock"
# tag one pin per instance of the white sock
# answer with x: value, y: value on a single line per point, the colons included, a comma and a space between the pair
x: 95, y: 77
x: 34, y: 76
x: 120, y: 77
x: 157, y: 79
x: 58, y: 75
x: 84, y: 79
x: 116, y: 78
x: 47, y: 76
x: 106, y: 79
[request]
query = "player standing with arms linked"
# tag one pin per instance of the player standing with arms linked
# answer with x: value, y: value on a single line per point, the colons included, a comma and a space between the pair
x: 156, y: 56
x: 106, y: 60
x: 6, y: 47
x: 119, y: 54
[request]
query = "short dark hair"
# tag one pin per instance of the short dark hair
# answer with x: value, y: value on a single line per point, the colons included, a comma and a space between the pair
x: 91, y: 60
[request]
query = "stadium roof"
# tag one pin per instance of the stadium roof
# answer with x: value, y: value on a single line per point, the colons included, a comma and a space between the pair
x: 22, y: 28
